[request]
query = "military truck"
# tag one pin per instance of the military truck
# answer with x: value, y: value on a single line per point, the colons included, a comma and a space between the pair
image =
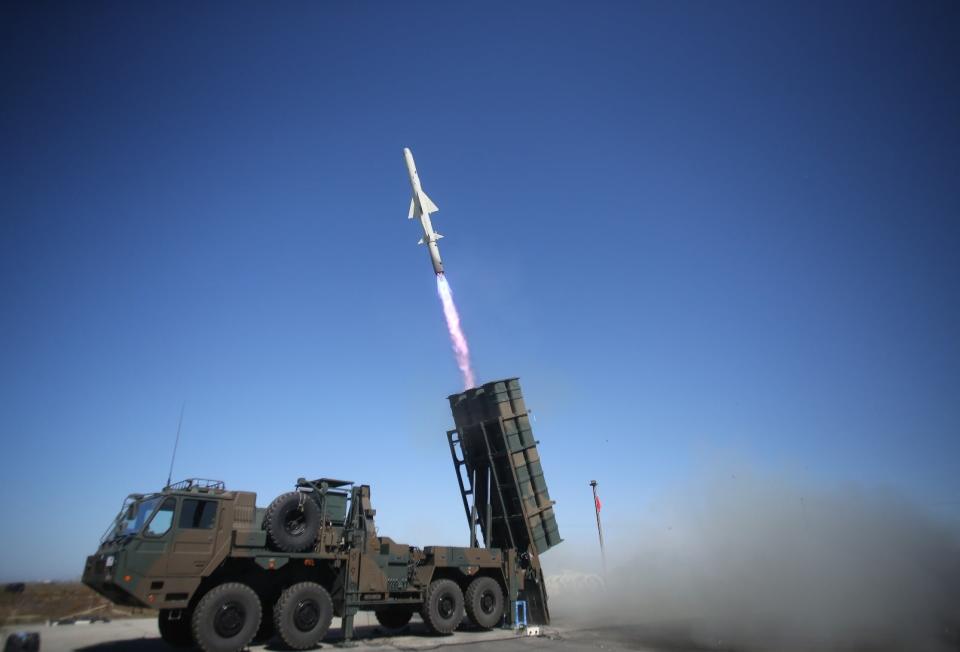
x: 224, y: 572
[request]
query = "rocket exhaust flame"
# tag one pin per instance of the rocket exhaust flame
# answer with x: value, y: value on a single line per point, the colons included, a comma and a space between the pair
x: 457, y: 338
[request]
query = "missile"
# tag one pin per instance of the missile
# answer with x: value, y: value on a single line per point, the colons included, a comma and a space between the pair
x: 421, y: 206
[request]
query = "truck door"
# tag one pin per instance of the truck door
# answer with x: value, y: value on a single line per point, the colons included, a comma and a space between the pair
x: 146, y: 555
x: 194, y: 536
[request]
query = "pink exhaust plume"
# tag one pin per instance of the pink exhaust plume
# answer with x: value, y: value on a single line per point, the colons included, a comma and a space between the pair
x: 457, y: 338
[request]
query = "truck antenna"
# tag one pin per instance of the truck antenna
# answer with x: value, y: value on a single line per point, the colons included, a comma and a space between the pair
x: 175, y: 444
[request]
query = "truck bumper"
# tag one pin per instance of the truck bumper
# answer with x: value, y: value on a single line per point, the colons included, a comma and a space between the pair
x: 99, y: 577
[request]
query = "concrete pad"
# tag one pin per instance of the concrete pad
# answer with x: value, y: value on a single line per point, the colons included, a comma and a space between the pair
x: 142, y: 635
x: 75, y: 637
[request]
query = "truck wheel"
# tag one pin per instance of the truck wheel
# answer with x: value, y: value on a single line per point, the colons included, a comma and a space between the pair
x: 484, y: 602
x: 394, y: 617
x: 292, y: 522
x: 442, y: 608
x: 175, y: 632
x: 302, y: 615
x: 226, y: 618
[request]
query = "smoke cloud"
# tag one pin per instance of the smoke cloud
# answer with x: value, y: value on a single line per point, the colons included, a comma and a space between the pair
x: 459, y: 341
x: 760, y: 563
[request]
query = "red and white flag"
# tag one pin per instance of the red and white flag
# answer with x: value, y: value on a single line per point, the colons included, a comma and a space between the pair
x: 596, y: 499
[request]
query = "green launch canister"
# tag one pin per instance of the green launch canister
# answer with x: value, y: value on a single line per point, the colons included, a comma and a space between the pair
x: 497, y: 442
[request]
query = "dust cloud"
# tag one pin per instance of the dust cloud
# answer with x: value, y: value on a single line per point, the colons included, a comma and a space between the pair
x: 745, y: 562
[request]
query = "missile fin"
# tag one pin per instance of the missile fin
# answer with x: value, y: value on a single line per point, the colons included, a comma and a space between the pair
x: 433, y: 237
x: 427, y: 204
x: 413, y: 203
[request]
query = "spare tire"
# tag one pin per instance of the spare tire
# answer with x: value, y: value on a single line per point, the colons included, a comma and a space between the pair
x: 292, y: 522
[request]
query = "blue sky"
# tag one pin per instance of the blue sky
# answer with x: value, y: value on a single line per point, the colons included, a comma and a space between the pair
x: 701, y: 233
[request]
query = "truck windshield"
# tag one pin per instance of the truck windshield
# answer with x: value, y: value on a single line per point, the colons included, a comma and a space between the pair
x: 133, y: 515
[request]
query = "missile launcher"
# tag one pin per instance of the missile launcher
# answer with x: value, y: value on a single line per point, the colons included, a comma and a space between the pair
x: 501, y: 480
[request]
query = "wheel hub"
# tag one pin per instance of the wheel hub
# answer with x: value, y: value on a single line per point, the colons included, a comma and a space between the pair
x: 295, y: 523
x: 229, y: 619
x: 487, y: 602
x: 306, y: 615
x: 445, y: 607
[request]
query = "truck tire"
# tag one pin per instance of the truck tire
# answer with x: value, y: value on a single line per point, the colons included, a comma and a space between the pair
x: 292, y: 522
x: 302, y: 615
x: 394, y: 617
x: 442, y: 608
x: 175, y: 632
x: 226, y: 618
x: 484, y: 602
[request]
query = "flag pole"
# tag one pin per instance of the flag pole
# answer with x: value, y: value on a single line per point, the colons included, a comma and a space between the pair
x: 596, y: 508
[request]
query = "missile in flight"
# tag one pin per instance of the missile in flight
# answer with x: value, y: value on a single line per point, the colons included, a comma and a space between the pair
x: 421, y: 206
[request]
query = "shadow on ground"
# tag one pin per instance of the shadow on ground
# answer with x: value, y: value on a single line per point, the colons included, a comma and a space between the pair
x: 129, y: 645
x: 335, y: 635
x: 661, y: 639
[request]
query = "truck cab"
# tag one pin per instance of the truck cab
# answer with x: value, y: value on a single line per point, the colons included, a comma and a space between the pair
x: 160, y: 545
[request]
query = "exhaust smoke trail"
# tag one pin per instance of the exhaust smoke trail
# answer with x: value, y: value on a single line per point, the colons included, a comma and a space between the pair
x: 457, y: 338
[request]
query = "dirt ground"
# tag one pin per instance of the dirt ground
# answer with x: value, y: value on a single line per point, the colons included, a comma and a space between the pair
x: 41, y: 602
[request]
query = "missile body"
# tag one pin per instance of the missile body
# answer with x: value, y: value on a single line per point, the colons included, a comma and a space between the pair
x: 421, y: 206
